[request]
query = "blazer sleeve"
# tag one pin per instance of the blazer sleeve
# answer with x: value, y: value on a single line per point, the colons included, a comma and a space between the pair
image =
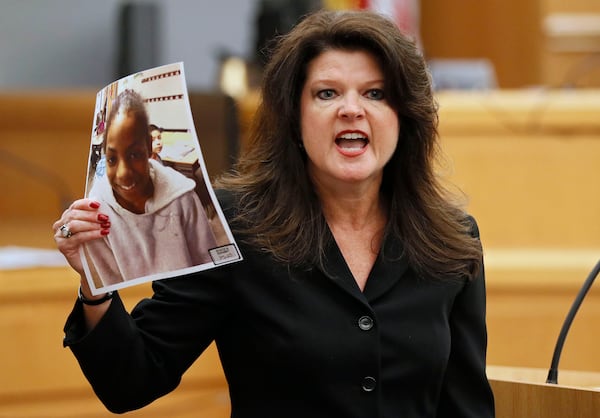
x: 466, y: 391
x: 132, y: 359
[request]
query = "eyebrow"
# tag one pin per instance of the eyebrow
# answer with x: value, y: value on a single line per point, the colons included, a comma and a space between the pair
x: 137, y: 144
x: 337, y: 81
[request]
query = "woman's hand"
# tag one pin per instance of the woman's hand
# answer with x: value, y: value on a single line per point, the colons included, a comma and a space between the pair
x: 80, y: 223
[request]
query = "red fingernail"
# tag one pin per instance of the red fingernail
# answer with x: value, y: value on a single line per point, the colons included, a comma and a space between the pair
x: 102, y: 218
x: 105, y: 225
x: 104, y: 232
x: 94, y: 205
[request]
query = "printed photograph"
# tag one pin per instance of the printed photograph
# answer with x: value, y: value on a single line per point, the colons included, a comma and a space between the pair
x: 147, y: 171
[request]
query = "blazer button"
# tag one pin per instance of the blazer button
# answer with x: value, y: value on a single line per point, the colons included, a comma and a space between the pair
x: 368, y: 384
x: 365, y: 323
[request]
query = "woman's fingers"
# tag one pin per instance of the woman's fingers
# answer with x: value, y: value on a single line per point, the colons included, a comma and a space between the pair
x: 80, y: 223
x: 82, y: 209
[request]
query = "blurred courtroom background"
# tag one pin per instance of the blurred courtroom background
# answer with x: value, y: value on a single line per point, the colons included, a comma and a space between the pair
x: 518, y: 84
x: 78, y: 43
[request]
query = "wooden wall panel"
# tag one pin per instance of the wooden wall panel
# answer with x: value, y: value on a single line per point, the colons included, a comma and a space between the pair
x: 505, y: 32
x: 511, y: 35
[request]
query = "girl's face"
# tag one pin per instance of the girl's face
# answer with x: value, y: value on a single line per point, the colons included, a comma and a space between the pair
x: 127, y: 166
x: 349, y: 130
x: 157, y: 144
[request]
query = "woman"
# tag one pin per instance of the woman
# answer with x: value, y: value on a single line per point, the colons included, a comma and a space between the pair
x: 361, y: 293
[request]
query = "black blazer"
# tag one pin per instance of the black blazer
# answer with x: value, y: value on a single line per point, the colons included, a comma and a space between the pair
x: 298, y: 343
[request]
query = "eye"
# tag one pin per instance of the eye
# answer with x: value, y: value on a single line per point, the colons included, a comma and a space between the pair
x: 375, y: 94
x: 326, y: 94
x: 111, y: 161
x: 135, y: 155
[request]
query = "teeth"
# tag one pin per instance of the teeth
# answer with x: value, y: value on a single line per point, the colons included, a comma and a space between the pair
x: 352, y: 135
x: 128, y: 187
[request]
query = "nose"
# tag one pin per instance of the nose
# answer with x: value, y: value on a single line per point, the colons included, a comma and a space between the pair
x: 123, y: 171
x: 351, y: 107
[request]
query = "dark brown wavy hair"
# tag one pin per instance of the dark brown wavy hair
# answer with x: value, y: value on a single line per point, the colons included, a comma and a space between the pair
x: 278, y: 210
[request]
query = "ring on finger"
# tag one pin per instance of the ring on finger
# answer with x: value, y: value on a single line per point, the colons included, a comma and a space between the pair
x: 65, y: 231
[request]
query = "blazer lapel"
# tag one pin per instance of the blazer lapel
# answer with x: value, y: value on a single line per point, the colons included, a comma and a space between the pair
x: 338, y: 272
x: 390, y: 266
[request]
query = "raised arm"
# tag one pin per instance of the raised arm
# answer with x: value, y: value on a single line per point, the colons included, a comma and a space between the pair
x: 83, y: 221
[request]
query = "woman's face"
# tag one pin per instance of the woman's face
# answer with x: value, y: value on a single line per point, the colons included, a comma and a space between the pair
x: 349, y: 130
x: 127, y: 165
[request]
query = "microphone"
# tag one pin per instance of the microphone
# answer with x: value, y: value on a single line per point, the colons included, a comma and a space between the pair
x: 553, y: 371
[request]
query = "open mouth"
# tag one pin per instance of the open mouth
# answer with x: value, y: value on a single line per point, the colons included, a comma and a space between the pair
x: 353, y: 141
x: 126, y: 188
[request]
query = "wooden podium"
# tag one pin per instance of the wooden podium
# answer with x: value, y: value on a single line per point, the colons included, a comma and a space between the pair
x: 522, y: 393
